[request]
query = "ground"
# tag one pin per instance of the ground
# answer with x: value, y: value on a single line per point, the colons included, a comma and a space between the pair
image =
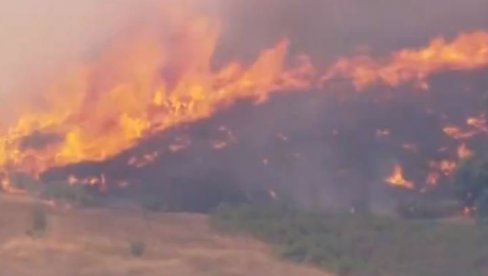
x: 97, y: 242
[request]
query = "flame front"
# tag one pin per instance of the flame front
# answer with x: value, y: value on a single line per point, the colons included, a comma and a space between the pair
x: 146, y: 86
x: 467, y: 51
x: 152, y: 81
x: 397, y: 179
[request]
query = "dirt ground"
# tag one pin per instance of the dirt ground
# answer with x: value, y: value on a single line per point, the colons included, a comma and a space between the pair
x: 97, y: 242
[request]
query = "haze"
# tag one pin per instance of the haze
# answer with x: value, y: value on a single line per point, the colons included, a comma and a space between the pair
x: 42, y: 37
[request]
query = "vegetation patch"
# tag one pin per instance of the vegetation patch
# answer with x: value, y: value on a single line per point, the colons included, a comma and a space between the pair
x: 64, y: 193
x: 39, y: 222
x: 137, y: 248
x: 365, y: 244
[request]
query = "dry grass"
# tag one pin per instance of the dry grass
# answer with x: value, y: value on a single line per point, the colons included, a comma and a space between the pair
x: 96, y: 242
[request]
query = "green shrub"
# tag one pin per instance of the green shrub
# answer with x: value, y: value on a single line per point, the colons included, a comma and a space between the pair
x: 363, y: 244
x: 428, y: 209
x: 24, y: 182
x: 471, y: 184
x: 153, y: 204
x: 39, y: 221
x: 482, y: 205
x: 137, y: 248
x: 68, y: 194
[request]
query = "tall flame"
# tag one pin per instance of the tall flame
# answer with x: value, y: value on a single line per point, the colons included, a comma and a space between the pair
x: 397, y: 179
x: 144, y: 87
x: 467, y: 51
x: 464, y: 152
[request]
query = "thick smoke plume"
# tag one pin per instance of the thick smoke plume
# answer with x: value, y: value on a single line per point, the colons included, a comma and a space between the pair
x: 45, y: 36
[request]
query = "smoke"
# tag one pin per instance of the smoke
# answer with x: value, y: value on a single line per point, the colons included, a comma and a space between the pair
x: 326, y: 30
x: 332, y: 28
x: 42, y: 37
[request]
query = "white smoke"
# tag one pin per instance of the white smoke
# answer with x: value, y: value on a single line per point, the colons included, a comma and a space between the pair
x: 41, y: 37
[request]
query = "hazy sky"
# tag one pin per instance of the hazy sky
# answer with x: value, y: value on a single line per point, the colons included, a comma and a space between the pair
x: 39, y: 35
x: 327, y: 28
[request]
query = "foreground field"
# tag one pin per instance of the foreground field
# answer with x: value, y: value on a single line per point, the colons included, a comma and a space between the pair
x: 366, y: 245
x: 97, y: 242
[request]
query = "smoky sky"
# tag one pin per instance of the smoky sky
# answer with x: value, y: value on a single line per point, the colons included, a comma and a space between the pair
x: 326, y: 29
x: 39, y: 37
x: 45, y: 37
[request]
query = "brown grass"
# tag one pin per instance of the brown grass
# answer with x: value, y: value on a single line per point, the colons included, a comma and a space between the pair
x: 96, y: 242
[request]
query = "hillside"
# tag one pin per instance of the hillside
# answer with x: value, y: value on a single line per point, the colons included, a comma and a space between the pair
x: 97, y: 242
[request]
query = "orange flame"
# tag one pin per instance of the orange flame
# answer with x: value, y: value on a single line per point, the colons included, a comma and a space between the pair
x: 464, y: 152
x: 432, y: 179
x: 446, y: 167
x: 476, y: 125
x: 397, y: 179
x: 122, y: 98
x: 467, y: 51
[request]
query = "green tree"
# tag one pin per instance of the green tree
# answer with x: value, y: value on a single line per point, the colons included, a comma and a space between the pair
x: 471, y: 184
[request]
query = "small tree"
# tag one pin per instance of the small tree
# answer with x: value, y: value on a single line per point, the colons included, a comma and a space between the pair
x: 482, y: 205
x: 39, y: 221
x: 137, y: 248
x: 471, y: 184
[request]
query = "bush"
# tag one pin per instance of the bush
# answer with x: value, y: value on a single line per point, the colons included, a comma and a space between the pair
x: 39, y: 221
x: 363, y: 244
x: 482, y: 205
x: 471, y: 184
x: 152, y: 204
x: 24, y: 182
x: 137, y: 248
x: 428, y: 208
x: 68, y: 194
x: 201, y: 195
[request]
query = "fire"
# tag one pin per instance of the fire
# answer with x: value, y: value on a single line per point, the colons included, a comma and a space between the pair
x: 180, y: 144
x: 382, y: 133
x: 6, y: 186
x: 458, y: 134
x: 97, y: 181
x: 478, y: 123
x: 142, y: 161
x: 474, y: 126
x: 227, y: 138
x: 151, y: 81
x: 397, y: 179
x: 446, y: 167
x: 123, y: 97
x: 464, y: 152
x: 432, y: 179
x: 467, y: 51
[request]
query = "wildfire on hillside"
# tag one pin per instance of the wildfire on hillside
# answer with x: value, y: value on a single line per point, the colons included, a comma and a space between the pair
x: 151, y: 81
